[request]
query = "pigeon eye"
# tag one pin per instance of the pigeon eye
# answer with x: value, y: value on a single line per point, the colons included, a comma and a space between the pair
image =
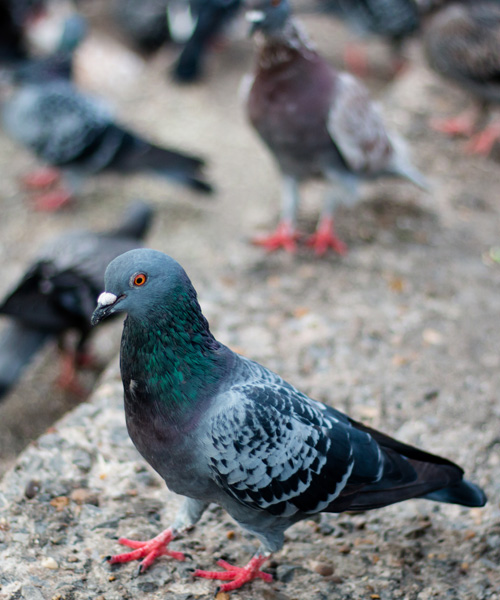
x: 139, y: 279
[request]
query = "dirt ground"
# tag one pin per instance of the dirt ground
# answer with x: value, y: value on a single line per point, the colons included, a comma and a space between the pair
x: 402, y: 333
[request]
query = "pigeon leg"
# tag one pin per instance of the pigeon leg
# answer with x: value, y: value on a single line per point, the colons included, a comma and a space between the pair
x: 463, y: 124
x: 238, y: 575
x: 286, y: 233
x: 325, y: 238
x: 41, y: 178
x: 67, y: 379
x: 149, y: 550
x: 188, y: 515
x: 52, y: 201
x: 356, y: 60
x: 484, y: 141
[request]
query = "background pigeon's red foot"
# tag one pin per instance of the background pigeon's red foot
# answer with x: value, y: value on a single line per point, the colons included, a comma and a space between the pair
x: 463, y: 124
x: 285, y: 237
x: 239, y: 575
x: 356, y: 60
x: 68, y: 379
x: 483, y: 142
x: 53, y: 201
x: 149, y: 551
x: 325, y: 238
x: 41, y: 178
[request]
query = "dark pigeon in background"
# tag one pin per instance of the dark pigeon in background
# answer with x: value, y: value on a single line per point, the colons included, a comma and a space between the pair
x: 318, y: 124
x: 221, y: 428
x: 144, y: 22
x: 462, y: 44
x: 58, y: 293
x: 15, y: 18
x: 211, y: 17
x: 393, y: 20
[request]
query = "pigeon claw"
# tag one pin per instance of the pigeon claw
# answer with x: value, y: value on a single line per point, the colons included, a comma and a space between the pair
x: 53, y: 201
x: 483, y: 142
x: 463, y: 124
x: 285, y: 237
x: 325, y: 238
x: 236, y: 576
x: 148, y: 551
x: 41, y: 178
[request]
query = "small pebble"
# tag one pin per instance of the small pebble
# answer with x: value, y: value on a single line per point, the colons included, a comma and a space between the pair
x: 60, y: 502
x: 32, y: 488
x: 322, y: 568
x: 49, y: 563
x: 230, y: 534
x: 84, y: 496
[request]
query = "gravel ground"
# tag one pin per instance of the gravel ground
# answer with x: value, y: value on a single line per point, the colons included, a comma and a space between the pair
x: 403, y: 333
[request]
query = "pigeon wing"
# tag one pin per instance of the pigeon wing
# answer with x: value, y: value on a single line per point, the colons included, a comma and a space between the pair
x: 356, y: 127
x: 274, y: 449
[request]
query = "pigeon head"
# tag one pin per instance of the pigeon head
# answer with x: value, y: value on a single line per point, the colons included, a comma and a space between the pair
x: 268, y: 16
x: 142, y: 282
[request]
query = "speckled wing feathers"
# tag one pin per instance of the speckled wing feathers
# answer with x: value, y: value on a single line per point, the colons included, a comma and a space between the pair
x: 357, y: 129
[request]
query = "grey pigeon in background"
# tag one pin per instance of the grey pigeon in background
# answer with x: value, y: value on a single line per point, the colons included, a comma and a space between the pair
x: 317, y: 123
x: 77, y: 133
x: 58, y: 292
x: 144, y: 22
x: 221, y: 428
x: 462, y: 43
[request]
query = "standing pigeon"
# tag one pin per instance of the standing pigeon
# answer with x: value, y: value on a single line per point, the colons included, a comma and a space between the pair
x: 145, y: 22
x: 394, y: 20
x: 318, y: 123
x: 212, y: 17
x: 58, y: 293
x: 221, y: 428
x: 75, y: 132
x: 462, y: 43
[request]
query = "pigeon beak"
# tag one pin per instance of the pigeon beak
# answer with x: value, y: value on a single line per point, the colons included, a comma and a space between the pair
x: 106, y: 306
x: 255, y: 18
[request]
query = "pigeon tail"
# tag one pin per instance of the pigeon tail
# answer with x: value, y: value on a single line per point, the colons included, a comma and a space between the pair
x: 401, y: 164
x: 136, y: 154
x: 136, y: 221
x: 464, y: 492
x: 18, y: 345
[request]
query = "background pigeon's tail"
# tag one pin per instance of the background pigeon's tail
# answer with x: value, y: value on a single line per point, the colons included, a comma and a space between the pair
x: 135, y: 154
x: 18, y: 345
x: 136, y: 221
x: 401, y: 164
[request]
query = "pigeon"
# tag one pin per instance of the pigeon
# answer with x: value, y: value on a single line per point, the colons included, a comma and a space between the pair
x: 317, y: 123
x: 144, y: 22
x: 462, y: 44
x: 15, y: 17
x: 58, y: 292
x: 221, y: 428
x: 394, y: 20
x: 212, y: 17
x: 77, y: 133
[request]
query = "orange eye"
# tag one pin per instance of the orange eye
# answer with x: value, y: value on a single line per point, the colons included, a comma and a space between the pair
x: 140, y: 279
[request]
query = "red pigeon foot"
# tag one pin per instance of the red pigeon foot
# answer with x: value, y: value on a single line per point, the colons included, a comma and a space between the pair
x: 356, y: 60
x: 41, y: 178
x: 68, y: 379
x: 463, y: 124
x: 53, y: 201
x: 149, y: 550
x: 325, y: 238
x: 284, y: 237
x: 238, y: 575
x: 483, y: 142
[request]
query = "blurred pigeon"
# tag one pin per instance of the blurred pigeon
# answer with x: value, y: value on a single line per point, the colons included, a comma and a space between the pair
x: 462, y: 43
x: 211, y: 18
x: 393, y: 20
x: 58, y: 293
x: 318, y: 123
x: 144, y: 22
x: 15, y: 17
x: 221, y: 428
x: 73, y: 131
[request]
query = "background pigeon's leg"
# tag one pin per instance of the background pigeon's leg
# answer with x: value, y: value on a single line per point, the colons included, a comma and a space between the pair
x: 356, y: 59
x: 286, y: 233
x: 68, y: 379
x: 325, y: 236
x: 463, y: 124
x: 41, y: 178
x: 238, y: 575
x: 483, y: 142
x: 52, y: 201
x: 188, y: 515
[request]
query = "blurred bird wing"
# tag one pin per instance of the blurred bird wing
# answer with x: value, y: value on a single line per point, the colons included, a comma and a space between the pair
x: 356, y: 127
x: 272, y: 448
